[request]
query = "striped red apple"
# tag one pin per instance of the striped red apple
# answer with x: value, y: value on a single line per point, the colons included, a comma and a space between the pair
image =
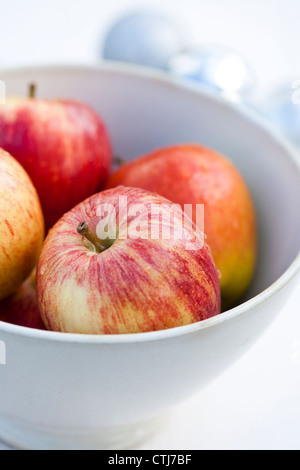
x: 63, y: 145
x: 21, y: 225
x: 120, y: 262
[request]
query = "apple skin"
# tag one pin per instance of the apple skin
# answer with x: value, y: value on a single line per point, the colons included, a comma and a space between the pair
x: 21, y: 308
x: 136, y: 285
x: 193, y: 174
x: 21, y: 227
x: 63, y: 145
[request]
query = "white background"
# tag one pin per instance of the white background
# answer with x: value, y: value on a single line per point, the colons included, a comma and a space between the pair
x: 255, y: 404
x: 43, y: 31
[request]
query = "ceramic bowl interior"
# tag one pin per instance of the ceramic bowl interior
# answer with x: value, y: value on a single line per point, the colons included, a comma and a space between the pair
x: 141, y: 119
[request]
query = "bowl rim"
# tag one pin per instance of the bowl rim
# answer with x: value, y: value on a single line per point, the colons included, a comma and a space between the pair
x: 188, y: 86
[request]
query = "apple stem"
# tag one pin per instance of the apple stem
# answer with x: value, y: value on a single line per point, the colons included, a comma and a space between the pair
x: 84, y: 230
x: 32, y: 90
x: 119, y: 160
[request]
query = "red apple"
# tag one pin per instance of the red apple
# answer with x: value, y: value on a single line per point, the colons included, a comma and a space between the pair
x: 21, y: 225
x: 21, y: 308
x: 192, y: 174
x: 63, y: 145
x: 131, y: 270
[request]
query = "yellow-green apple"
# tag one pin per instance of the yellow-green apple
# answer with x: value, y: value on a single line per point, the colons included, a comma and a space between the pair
x: 125, y: 261
x: 21, y: 308
x: 193, y: 174
x: 63, y: 145
x: 21, y: 225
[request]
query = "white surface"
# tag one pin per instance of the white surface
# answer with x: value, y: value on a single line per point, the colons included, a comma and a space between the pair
x: 256, y: 403
x: 265, y: 31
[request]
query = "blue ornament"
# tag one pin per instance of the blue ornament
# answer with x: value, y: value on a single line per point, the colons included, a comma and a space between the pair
x: 217, y: 67
x: 147, y: 39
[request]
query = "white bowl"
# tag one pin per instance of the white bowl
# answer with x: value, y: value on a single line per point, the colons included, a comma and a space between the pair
x: 62, y: 391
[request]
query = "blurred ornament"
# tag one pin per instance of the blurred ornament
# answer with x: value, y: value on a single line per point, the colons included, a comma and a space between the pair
x: 217, y: 67
x: 149, y: 39
x: 282, y: 111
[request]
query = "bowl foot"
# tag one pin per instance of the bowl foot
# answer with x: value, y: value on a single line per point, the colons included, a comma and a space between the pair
x: 34, y: 437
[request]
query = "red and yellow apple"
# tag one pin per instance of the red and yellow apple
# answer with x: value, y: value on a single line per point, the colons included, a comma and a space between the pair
x: 63, y: 145
x: 193, y: 174
x: 119, y: 263
x: 21, y: 308
x: 21, y: 225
